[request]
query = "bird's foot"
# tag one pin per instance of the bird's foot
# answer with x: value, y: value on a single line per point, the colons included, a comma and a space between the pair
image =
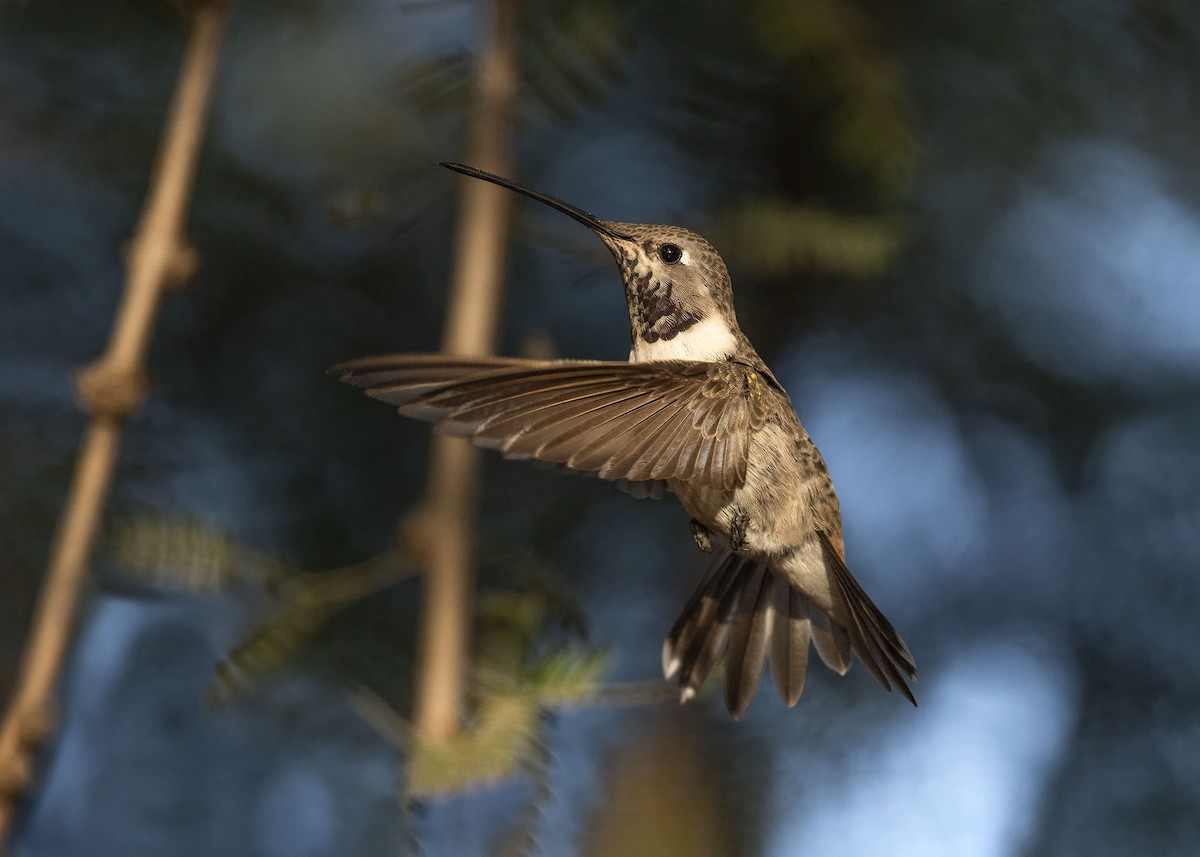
x: 701, y: 534
x: 737, y: 530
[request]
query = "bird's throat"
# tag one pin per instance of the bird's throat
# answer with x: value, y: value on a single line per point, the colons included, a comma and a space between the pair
x: 708, y: 338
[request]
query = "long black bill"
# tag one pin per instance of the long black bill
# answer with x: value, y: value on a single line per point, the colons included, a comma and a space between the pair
x: 590, y: 221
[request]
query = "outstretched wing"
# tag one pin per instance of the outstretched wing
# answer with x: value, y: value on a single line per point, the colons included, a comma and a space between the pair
x: 634, y: 421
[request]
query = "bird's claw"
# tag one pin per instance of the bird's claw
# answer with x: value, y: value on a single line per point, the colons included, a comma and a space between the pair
x: 737, y: 530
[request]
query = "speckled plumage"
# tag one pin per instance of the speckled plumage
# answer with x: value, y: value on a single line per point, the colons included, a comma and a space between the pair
x: 695, y: 408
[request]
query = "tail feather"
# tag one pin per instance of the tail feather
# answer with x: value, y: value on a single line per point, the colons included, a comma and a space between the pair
x: 700, y: 609
x: 789, y: 646
x: 830, y: 639
x: 710, y: 638
x: 753, y: 629
x: 750, y: 613
x: 876, y: 641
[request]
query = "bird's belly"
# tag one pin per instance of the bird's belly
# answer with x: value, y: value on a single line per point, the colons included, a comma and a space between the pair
x: 770, y: 511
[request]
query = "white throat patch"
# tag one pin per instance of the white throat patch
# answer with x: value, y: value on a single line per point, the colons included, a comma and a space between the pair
x: 708, y: 340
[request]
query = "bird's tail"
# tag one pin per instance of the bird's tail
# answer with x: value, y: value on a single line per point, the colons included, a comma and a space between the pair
x: 751, y: 614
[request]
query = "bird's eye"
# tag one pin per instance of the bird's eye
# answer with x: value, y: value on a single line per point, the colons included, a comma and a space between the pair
x: 670, y: 253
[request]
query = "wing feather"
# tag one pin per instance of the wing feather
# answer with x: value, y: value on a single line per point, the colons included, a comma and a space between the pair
x: 637, y: 456
x: 674, y: 460
x: 657, y: 447
x: 569, y: 429
x: 639, y: 422
x: 625, y: 436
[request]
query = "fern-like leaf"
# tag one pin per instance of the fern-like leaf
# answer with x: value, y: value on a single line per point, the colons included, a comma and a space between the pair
x: 309, y: 601
x: 491, y: 750
x: 192, y: 556
x: 570, y: 677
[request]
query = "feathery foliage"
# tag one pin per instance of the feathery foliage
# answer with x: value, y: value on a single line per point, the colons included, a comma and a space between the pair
x: 191, y: 556
x: 835, y: 57
x: 776, y: 237
x: 308, y: 603
x: 520, y: 670
x: 571, y: 54
x: 839, y: 72
x: 516, y: 680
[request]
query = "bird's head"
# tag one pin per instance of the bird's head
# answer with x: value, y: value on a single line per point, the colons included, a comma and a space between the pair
x: 676, y: 284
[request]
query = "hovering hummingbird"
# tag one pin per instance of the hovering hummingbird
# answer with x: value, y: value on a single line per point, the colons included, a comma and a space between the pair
x: 697, y: 411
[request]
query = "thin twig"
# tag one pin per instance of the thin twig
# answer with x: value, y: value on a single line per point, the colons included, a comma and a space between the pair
x: 111, y: 389
x: 471, y: 325
x: 628, y: 693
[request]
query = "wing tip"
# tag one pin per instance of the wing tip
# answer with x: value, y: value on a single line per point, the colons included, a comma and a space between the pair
x: 346, y: 370
x: 341, y: 370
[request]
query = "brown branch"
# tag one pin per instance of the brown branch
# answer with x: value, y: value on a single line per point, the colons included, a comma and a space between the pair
x: 110, y: 390
x: 471, y: 325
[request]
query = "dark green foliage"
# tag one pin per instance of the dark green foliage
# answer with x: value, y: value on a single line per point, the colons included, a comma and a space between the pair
x: 520, y: 669
x: 193, y: 557
x: 571, y: 55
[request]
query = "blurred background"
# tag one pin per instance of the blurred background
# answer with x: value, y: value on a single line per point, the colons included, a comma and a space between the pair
x: 965, y: 236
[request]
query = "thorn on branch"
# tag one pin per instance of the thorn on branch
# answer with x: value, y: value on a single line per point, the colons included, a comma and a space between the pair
x: 108, y: 389
x: 33, y: 728
x: 182, y: 266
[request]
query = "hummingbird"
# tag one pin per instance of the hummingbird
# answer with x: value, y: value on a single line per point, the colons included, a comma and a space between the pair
x: 695, y: 411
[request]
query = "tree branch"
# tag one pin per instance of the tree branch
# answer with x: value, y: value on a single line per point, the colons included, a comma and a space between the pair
x: 110, y: 390
x: 471, y: 325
